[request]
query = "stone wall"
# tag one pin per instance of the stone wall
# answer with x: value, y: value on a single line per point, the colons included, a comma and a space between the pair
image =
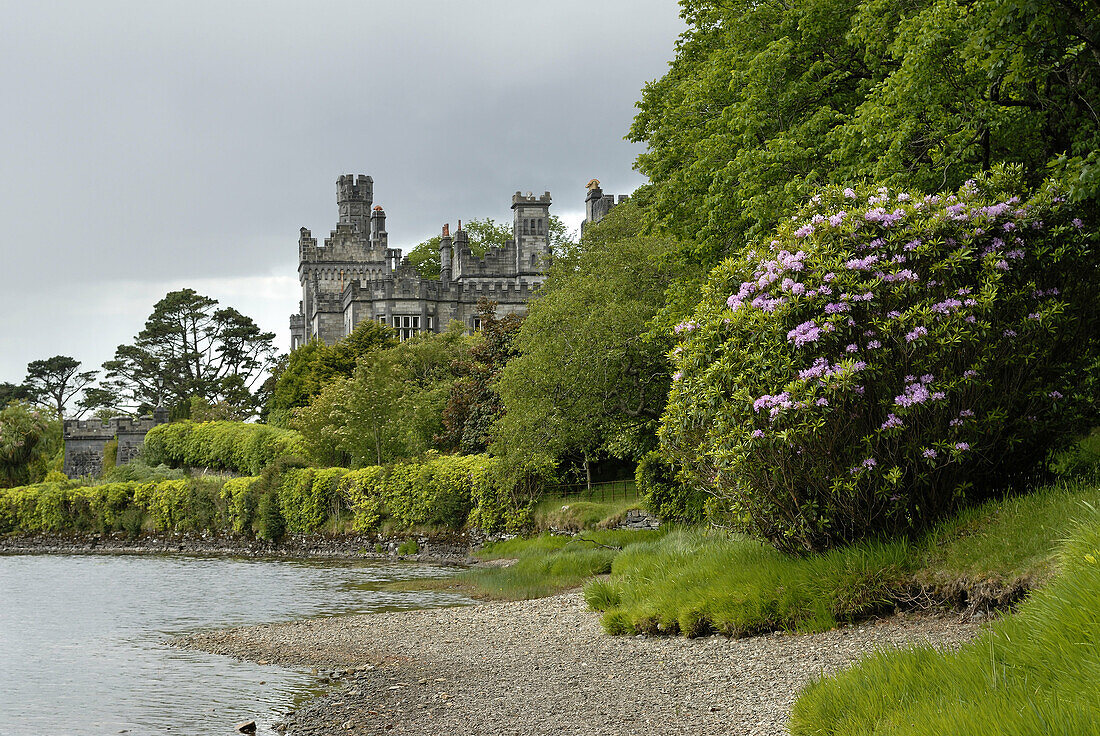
x: 85, y: 441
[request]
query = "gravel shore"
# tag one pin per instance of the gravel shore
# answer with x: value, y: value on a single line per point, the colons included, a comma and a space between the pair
x: 546, y: 667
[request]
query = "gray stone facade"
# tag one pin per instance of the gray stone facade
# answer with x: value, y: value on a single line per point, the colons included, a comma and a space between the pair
x: 355, y: 275
x: 85, y: 441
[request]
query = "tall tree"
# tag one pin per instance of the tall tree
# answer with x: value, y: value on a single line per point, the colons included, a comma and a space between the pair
x: 768, y: 99
x: 55, y: 381
x: 591, y: 377
x: 188, y: 348
x: 473, y: 404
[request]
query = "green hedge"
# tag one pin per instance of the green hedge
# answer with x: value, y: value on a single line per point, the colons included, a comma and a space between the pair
x: 439, y: 491
x: 233, y: 446
x: 442, y: 490
x: 164, y: 505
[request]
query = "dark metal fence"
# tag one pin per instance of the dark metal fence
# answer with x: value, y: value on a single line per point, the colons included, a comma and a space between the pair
x: 616, y: 490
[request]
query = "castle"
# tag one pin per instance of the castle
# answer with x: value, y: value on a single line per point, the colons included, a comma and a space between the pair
x: 356, y: 276
x: 86, y: 441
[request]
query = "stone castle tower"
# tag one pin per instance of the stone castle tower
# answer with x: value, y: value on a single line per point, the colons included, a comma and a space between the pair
x: 355, y: 275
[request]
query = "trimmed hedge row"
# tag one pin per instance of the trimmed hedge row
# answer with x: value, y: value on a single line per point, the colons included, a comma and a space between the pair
x: 440, y: 491
x: 444, y: 490
x: 165, y: 505
x: 232, y: 446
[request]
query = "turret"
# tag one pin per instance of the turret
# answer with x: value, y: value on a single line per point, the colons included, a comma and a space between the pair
x: 531, y: 231
x: 354, y: 196
x: 378, y: 236
x: 445, y: 255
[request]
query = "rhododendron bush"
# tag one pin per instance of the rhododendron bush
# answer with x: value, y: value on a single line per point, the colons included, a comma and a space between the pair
x: 888, y: 358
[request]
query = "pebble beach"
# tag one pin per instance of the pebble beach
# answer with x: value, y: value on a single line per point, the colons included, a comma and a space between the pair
x: 545, y: 667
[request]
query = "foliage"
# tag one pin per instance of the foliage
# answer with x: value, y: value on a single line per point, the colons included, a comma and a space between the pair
x: 10, y: 392
x: 188, y: 348
x: 664, y: 494
x: 55, y: 381
x: 29, y: 441
x: 591, y: 377
x: 473, y: 404
x: 766, y: 101
x: 1032, y: 672
x: 63, y: 506
x: 390, y: 408
x: 233, y: 446
x: 314, y: 365
x: 888, y: 359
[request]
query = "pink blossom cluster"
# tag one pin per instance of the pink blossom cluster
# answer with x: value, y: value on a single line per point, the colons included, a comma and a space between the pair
x: 805, y: 333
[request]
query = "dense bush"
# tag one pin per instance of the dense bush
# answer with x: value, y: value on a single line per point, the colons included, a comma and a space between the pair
x: 887, y: 358
x: 232, y: 446
x: 664, y: 494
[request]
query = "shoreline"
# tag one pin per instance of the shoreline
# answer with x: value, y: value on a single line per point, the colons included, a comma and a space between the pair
x: 544, y: 667
x: 434, y: 549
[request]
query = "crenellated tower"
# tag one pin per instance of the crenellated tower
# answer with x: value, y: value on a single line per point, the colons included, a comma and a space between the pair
x: 531, y: 232
x: 355, y: 195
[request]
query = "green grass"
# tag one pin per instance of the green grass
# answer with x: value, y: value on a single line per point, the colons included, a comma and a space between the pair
x: 693, y: 583
x: 1032, y: 673
x: 577, y: 513
x: 544, y: 565
x: 1009, y: 540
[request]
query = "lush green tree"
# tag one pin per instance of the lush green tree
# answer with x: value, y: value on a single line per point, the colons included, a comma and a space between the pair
x: 389, y: 408
x: 474, y: 405
x: 768, y: 99
x: 188, y: 348
x: 309, y: 368
x: 10, y: 392
x: 29, y: 443
x: 591, y: 375
x: 54, y: 382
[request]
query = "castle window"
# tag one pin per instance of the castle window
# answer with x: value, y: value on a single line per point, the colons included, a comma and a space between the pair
x: 431, y: 325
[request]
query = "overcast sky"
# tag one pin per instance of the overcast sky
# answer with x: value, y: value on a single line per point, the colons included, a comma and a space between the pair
x: 149, y: 146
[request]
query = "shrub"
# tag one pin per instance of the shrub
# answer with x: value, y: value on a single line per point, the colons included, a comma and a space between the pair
x: 240, y: 501
x: 887, y: 359
x: 362, y: 491
x: 232, y: 446
x: 270, y: 524
x: 308, y: 496
x: 664, y: 494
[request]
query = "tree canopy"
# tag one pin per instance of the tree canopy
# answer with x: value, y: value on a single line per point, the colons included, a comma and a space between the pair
x: 590, y: 376
x: 188, y: 348
x: 309, y: 368
x: 766, y: 100
x: 54, y: 382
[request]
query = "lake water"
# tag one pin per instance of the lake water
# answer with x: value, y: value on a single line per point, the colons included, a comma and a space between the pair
x: 81, y: 637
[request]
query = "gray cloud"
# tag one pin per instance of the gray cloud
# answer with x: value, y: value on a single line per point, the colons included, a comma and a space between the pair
x: 154, y: 144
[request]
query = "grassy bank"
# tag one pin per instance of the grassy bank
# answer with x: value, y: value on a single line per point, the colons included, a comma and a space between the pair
x: 693, y: 582
x: 1035, y: 672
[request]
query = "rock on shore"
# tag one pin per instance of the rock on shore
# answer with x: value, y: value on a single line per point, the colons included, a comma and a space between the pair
x: 545, y: 667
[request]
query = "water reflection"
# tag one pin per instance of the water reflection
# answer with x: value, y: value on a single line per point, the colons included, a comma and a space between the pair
x: 81, y: 637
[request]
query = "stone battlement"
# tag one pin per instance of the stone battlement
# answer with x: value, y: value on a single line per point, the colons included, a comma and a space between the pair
x: 86, y: 440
